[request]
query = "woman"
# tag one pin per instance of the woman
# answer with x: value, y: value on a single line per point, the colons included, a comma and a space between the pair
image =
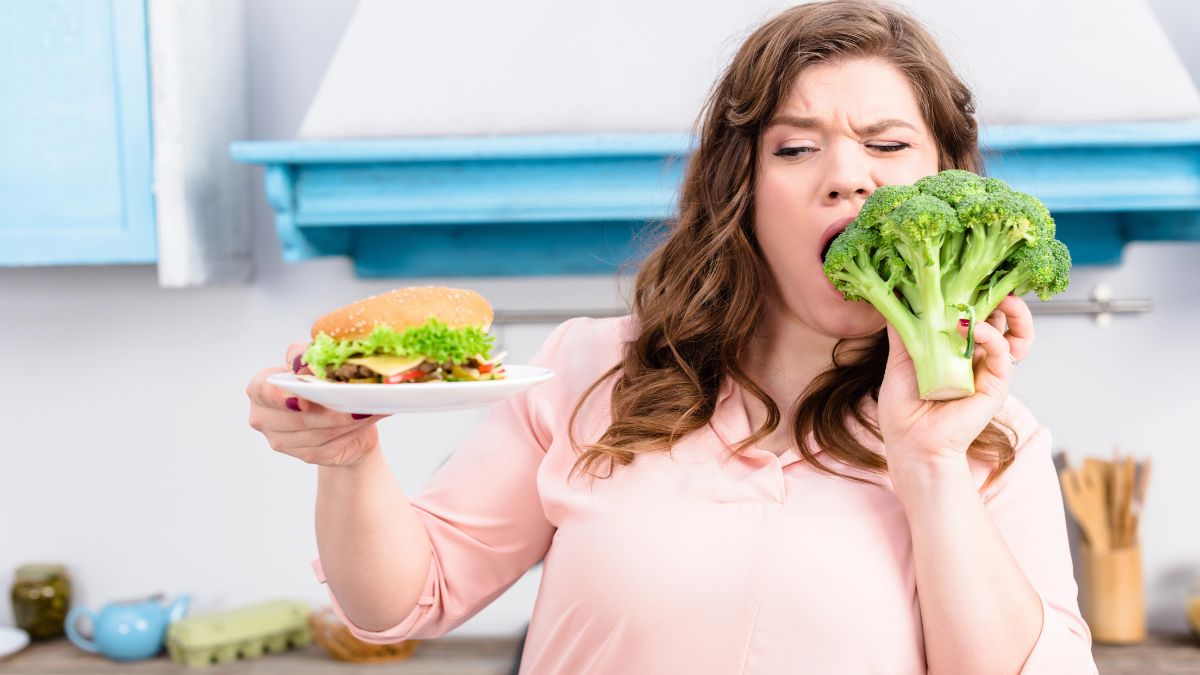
x: 687, y: 526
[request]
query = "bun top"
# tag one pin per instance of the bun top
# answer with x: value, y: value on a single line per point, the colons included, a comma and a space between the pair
x: 403, y: 308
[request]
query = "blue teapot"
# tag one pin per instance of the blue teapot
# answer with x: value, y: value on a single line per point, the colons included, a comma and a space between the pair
x: 127, y: 630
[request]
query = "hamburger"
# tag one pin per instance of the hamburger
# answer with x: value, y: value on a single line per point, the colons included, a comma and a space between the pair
x: 405, y: 336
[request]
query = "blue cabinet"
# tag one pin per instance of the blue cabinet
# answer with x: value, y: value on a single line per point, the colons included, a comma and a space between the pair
x: 75, y: 135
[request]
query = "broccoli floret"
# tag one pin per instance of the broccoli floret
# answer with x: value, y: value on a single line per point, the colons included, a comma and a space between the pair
x: 949, y: 246
x: 1043, y: 269
x: 953, y: 185
x: 883, y: 201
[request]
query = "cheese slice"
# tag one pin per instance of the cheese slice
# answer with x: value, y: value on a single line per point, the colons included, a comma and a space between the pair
x: 387, y: 364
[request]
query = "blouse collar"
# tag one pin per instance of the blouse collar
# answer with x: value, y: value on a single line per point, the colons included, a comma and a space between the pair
x: 731, y: 423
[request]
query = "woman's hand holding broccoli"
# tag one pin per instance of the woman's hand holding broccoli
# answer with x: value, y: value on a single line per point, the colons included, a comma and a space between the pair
x: 927, y: 434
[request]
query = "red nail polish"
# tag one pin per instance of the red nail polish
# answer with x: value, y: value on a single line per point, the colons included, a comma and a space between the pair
x: 965, y: 323
x: 359, y: 416
x: 293, y: 403
x: 297, y: 364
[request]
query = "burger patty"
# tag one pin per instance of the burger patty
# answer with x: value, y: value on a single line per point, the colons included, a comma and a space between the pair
x: 348, y: 371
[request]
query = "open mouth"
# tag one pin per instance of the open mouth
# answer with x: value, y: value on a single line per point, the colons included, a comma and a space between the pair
x: 826, y: 247
x: 835, y: 228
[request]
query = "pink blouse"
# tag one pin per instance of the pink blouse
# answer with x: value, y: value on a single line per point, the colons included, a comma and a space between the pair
x: 699, y: 560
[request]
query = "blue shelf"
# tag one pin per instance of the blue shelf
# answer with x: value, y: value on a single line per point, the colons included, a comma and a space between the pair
x: 1106, y: 185
x: 576, y: 204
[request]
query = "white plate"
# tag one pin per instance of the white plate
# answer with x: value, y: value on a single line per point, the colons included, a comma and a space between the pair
x: 12, y: 640
x: 386, y: 399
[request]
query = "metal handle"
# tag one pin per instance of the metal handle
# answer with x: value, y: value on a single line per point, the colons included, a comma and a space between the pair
x: 1096, y: 308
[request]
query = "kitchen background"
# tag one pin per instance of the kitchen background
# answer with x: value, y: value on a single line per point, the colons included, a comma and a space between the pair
x: 126, y: 449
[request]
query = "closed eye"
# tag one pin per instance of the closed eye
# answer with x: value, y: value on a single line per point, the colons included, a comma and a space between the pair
x: 888, y: 147
x: 794, y: 152
x: 805, y: 150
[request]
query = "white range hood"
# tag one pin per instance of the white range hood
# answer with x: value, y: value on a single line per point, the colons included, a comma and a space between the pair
x: 539, y: 66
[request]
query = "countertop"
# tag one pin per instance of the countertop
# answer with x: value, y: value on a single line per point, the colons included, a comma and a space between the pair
x: 447, y: 656
x: 1158, y: 655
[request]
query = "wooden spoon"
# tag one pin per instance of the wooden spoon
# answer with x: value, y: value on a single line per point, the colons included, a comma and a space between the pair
x: 1116, y: 493
x: 1101, y: 473
x: 1086, y: 500
x: 1130, y: 481
x: 1139, y: 496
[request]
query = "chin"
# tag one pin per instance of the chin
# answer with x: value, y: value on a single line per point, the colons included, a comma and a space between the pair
x: 823, y: 309
x: 845, y: 319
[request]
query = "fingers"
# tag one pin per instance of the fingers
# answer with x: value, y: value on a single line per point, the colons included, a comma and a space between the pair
x: 293, y: 358
x: 897, y: 351
x: 1020, y: 325
x: 269, y: 396
x: 303, y: 429
x: 261, y: 393
x: 274, y: 409
x: 1014, y: 321
x: 306, y: 442
x: 993, y: 378
x: 997, y: 319
x: 336, y: 450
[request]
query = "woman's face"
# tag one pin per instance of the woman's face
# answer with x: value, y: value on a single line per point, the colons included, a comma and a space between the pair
x: 846, y: 128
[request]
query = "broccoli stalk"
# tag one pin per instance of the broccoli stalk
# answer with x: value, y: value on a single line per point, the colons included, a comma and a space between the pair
x: 949, y: 246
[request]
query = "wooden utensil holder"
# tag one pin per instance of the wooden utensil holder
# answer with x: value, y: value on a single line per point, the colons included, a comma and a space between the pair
x: 1113, y: 597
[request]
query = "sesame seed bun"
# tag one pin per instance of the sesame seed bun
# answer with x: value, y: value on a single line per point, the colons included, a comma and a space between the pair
x: 403, y: 308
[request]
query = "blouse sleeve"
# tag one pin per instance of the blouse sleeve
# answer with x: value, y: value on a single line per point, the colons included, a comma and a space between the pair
x: 483, y: 515
x: 1026, y: 505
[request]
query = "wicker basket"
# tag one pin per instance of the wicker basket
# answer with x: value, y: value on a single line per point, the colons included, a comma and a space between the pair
x: 333, y: 635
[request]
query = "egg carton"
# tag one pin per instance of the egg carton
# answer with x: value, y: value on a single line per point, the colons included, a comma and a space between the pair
x: 244, y: 633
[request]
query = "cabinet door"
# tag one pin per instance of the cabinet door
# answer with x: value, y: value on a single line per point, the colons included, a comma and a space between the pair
x: 75, y: 153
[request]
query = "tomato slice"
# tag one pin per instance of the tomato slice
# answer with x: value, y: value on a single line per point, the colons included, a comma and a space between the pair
x: 485, y: 368
x: 406, y: 376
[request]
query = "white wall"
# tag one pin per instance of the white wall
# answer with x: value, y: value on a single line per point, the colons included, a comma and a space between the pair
x: 644, y: 65
x: 1180, y: 19
x: 134, y: 464
x: 126, y: 452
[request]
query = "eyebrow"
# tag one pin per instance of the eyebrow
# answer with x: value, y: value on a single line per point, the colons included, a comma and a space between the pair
x: 814, y: 123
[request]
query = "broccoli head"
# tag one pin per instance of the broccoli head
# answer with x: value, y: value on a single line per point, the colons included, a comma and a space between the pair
x: 949, y: 246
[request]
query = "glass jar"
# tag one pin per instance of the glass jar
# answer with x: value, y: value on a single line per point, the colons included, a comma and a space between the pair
x: 41, y: 597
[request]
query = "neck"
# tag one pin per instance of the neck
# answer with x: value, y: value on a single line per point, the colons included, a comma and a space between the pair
x: 784, y: 358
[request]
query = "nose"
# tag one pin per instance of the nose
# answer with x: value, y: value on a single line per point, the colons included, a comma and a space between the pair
x: 848, y: 188
x: 848, y: 178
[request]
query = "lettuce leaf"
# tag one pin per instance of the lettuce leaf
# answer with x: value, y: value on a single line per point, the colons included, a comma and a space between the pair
x: 435, y: 341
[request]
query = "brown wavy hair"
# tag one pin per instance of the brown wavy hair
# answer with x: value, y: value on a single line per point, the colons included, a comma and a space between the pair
x: 700, y: 293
